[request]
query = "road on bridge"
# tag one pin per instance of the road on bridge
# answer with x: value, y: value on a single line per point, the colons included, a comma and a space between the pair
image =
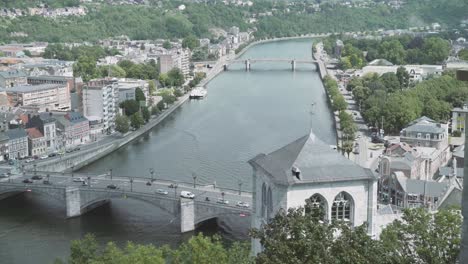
x: 139, y: 185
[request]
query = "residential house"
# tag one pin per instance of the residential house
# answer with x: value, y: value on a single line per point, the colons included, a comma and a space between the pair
x: 11, y: 78
x: 127, y: 88
x: 308, y: 173
x: 425, y: 132
x: 46, y: 124
x: 17, y: 143
x: 37, y: 143
x: 458, y: 118
x: 73, y: 128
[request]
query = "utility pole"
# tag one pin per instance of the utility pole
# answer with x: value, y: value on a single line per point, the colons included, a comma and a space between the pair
x: 131, y: 184
x: 240, y: 187
x: 110, y: 173
x: 152, y: 174
x: 194, y: 176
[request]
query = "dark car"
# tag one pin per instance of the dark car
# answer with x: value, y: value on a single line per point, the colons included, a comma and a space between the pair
x: 172, y: 185
x: 148, y: 183
x: 52, y: 155
x: 112, y: 186
x: 36, y: 177
x: 46, y: 182
x: 378, y: 140
x: 27, y: 181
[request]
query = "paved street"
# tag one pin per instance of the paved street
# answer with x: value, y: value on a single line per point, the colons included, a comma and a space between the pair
x: 139, y: 185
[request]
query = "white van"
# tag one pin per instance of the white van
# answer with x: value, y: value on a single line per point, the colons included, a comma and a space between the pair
x: 185, y: 194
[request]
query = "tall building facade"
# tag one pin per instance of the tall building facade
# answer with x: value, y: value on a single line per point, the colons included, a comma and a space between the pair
x: 100, y: 102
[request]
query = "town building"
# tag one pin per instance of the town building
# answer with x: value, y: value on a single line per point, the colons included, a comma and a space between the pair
x: 425, y: 132
x: 308, y: 172
x: 46, y: 97
x: 176, y: 58
x: 49, y: 67
x: 3, y: 146
x: 416, y: 73
x: 46, y: 124
x: 127, y: 89
x: 12, y: 78
x: 100, y: 99
x: 338, y: 49
x: 72, y: 129
x: 36, y: 142
x: 17, y: 143
x: 458, y: 118
x: 166, y: 63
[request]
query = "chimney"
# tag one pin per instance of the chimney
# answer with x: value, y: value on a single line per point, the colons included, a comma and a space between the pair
x: 296, y: 172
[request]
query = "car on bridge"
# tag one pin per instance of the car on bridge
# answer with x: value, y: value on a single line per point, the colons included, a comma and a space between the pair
x: 222, y: 201
x: 161, y: 191
x: 46, y: 182
x: 27, y: 181
x: 36, y: 177
x: 112, y: 186
x: 185, y: 194
x: 242, y: 204
x: 78, y: 179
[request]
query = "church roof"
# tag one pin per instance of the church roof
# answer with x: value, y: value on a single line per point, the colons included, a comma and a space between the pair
x: 315, y: 160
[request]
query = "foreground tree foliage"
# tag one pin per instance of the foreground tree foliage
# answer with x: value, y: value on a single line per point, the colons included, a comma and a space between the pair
x: 298, y: 236
x: 198, y: 250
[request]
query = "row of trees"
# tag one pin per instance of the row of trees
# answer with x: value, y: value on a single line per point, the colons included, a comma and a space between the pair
x: 300, y: 236
x: 387, y: 98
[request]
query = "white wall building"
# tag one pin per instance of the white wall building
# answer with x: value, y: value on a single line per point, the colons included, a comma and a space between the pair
x: 44, y: 96
x: 100, y: 99
x: 308, y: 169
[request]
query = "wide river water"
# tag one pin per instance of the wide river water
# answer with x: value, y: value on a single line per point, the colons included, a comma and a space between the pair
x: 245, y: 113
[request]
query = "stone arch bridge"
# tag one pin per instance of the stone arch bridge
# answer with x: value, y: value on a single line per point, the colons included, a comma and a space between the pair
x: 81, y: 199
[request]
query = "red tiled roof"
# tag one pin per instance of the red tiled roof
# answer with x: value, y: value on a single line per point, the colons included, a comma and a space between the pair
x: 34, y: 132
x: 24, y: 118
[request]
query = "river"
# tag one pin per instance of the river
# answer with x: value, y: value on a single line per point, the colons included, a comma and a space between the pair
x: 245, y: 113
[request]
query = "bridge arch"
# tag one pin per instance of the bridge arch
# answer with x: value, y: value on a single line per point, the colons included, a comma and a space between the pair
x: 53, y: 192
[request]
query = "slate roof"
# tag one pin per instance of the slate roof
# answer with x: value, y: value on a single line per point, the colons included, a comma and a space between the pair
x: 34, y: 133
x: 31, y: 88
x: 447, y: 171
x: 430, y: 188
x: 315, y: 160
x: 459, y: 151
x: 16, y: 133
x: 424, y: 125
x: 12, y: 74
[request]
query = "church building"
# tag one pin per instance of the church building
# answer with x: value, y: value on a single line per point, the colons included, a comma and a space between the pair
x: 308, y: 169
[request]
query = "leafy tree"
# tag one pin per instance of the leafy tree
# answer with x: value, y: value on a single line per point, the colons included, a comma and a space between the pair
x: 393, y: 51
x: 390, y: 81
x: 86, y: 68
x: 139, y: 95
x: 83, y: 251
x: 403, y: 77
x: 423, y: 237
x: 347, y: 147
x: 176, y: 77
x: 178, y: 93
x: 360, y: 94
x: 155, y: 110
x: 339, y: 103
x: 436, y: 49
x: 130, y: 107
x: 167, y: 45
x: 145, y: 113
x: 27, y: 53
x: 190, y: 42
x: 161, y: 105
x: 463, y: 54
x: 112, y: 71
x: 168, y: 99
x: 152, y: 87
x: 122, y: 124
x: 136, y: 120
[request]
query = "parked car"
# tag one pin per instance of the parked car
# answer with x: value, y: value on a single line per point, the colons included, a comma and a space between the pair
x: 36, y: 177
x: 222, y: 201
x: 3, y: 175
x: 27, y: 181
x: 112, y: 186
x: 185, y: 194
x: 242, y: 204
x: 43, y: 157
x: 79, y: 179
x: 52, y: 154
x: 29, y: 160
x: 148, y: 183
x: 84, y: 183
x: 161, y: 191
x: 377, y: 140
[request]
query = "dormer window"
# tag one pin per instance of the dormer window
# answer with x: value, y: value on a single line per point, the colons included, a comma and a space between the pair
x: 428, y: 136
x: 296, y: 172
x: 419, y: 135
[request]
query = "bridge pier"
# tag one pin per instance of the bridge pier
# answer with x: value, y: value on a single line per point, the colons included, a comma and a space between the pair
x: 73, y: 201
x: 247, y: 65
x: 293, y: 65
x: 187, y: 215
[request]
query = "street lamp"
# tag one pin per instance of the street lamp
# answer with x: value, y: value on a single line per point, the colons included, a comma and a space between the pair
x: 35, y: 171
x: 152, y: 174
x: 110, y: 173
x: 131, y: 184
x: 72, y: 170
x: 175, y: 191
x: 89, y: 181
x: 240, y: 187
x: 194, y: 176
x: 222, y: 195
x: 48, y: 178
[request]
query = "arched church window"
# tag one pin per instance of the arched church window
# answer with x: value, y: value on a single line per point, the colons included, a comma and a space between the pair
x: 269, y: 203
x: 264, y: 198
x: 342, y: 208
x: 316, y: 205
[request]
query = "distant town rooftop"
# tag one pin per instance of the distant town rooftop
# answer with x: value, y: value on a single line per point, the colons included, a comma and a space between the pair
x: 31, y: 88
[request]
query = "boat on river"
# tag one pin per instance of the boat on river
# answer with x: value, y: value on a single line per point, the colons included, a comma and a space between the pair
x: 198, y: 93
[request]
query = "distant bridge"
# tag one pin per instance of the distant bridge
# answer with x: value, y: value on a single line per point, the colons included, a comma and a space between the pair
x: 79, y: 199
x: 248, y: 62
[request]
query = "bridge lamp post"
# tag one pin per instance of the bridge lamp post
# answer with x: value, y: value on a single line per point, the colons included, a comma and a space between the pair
x: 152, y: 174
x: 35, y: 170
x: 110, y: 173
x: 89, y: 181
x: 240, y: 187
x: 48, y: 177
x: 194, y: 176
x: 22, y: 169
x: 175, y: 191
x: 73, y: 169
x: 222, y: 194
x: 131, y: 184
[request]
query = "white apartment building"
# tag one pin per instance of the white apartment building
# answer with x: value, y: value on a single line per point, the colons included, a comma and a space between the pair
x: 100, y: 102
x: 177, y: 58
x: 44, y: 96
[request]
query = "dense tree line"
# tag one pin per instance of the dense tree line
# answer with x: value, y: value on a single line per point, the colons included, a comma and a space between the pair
x: 151, y: 22
x: 388, y: 97
x: 62, y: 52
x: 301, y: 236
